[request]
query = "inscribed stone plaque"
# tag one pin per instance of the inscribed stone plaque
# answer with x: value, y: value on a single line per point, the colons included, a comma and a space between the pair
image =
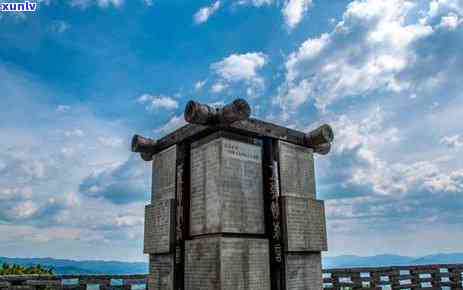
x: 164, y: 174
x: 159, y: 227
x: 304, y: 224
x: 226, y: 188
x: 303, y: 271
x: 296, y: 170
x: 227, y: 264
x: 161, y: 275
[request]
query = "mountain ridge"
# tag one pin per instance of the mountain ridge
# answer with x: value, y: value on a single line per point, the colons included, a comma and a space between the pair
x: 68, y: 266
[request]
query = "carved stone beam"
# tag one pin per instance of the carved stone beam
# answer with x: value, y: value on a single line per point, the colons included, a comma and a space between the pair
x: 320, y: 139
x: 145, y: 146
x: 202, y: 114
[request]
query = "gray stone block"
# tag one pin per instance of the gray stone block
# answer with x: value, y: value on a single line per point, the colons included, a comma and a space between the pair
x: 220, y: 263
x: 304, y: 226
x: 159, y: 227
x: 164, y: 165
x: 161, y: 276
x: 296, y: 170
x: 226, y: 188
x: 303, y: 271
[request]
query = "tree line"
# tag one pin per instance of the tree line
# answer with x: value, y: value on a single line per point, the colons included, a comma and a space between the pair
x: 14, y: 269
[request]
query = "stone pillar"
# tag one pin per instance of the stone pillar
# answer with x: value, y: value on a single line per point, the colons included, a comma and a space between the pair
x: 160, y: 221
x: 303, y: 218
x: 228, y: 248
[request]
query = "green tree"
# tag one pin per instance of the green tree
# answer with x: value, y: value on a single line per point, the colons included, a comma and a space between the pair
x: 15, y: 269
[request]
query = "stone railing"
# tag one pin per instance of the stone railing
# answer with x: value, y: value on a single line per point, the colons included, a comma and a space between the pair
x: 442, y: 277
x: 73, y: 282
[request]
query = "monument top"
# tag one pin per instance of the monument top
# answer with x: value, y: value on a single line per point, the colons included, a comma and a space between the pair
x: 204, y: 119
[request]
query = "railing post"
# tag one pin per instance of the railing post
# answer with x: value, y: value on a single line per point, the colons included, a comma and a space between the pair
x: 356, y: 280
x: 455, y: 277
x: 374, y: 279
x: 335, y: 281
x: 415, y: 279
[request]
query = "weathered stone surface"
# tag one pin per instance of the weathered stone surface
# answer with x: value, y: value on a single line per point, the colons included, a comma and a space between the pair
x: 159, y: 228
x: 296, y: 170
x: 227, y: 264
x: 164, y: 164
x: 303, y: 271
x: 226, y: 188
x: 304, y: 226
x: 161, y: 275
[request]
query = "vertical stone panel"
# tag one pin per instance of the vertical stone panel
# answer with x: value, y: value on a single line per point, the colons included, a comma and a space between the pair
x: 202, y: 264
x: 159, y: 227
x: 303, y: 271
x: 164, y: 164
x: 205, y: 204
x: 161, y: 275
x: 296, y: 170
x: 226, y: 188
x: 304, y: 224
x: 245, y: 264
x: 227, y: 264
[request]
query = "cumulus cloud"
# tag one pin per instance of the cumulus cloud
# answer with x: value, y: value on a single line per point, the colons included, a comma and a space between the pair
x: 204, y: 13
x: 293, y: 11
x: 174, y: 123
x: 44, y: 161
x: 157, y: 102
x: 239, y: 68
x: 121, y: 184
x: 374, y: 49
x: 454, y: 142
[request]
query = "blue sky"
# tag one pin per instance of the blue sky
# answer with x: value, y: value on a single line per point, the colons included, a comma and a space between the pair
x: 79, y: 77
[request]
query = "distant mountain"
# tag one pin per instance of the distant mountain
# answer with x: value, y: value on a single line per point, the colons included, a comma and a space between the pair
x: 390, y: 260
x: 63, y: 266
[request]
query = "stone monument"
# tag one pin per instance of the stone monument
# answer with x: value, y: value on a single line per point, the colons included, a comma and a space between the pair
x: 234, y: 203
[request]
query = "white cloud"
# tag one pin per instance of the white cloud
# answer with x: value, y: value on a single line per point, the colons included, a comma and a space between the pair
x: 203, y: 14
x: 59, y: 26
x: 62, y: 108
x: 74, y: 133
x: 454, y: 142
x: 110, y: 141
x: 25, y: 209
x: 218, y: 87
x: 239, y: 68
x: 158, y: 102
x: 294, y: 10
x: 100, y: 3
x: 365, y: 52
x: 255, y: 3
x: 451, y: 21
x: 174, y: 123
x: 200, y: 84
x: 452, y: 182
x: 39, y: 189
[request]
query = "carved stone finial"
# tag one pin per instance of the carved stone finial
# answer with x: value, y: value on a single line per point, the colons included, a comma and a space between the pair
x: 145, y: 146
x: 202, y: 114
x: 320, y: 139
